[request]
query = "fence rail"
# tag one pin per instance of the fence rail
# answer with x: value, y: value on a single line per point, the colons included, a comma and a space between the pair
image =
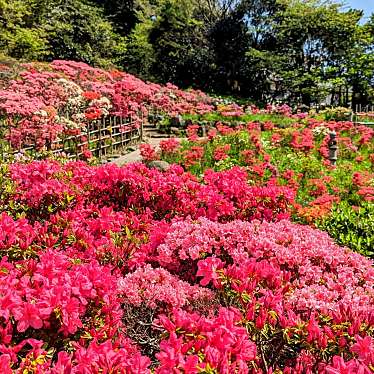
x: 102, y: 137
x: 364, y: 108
x: 363, y: 115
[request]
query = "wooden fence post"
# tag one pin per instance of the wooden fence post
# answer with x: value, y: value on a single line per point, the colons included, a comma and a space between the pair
x: 141, y: 126
x: 99, y: 135
x: 121, y: 132
x: 130, y: 124
x: 114, y: 124
x: 88, y: 130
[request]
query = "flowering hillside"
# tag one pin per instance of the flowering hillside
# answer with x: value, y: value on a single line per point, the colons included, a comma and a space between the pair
x: 47, y: 100
x: 133, y: 270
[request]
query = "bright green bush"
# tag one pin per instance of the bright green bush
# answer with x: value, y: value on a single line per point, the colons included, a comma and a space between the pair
x: 352, y: 227
x: 337, y: 114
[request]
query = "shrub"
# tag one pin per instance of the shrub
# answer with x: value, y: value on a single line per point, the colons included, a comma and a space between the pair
x: 352, y: 227
x: 130, y: 269
x: 336, y: 114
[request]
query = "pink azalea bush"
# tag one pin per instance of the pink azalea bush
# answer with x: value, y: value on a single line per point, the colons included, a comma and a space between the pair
x: 49, y: 186
x: 288, y: 284
x: 133, y: 270
x: 47, y: 101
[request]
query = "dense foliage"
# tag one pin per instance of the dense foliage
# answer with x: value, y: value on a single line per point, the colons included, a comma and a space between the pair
x: 352, y: 227
x: 294, y: 51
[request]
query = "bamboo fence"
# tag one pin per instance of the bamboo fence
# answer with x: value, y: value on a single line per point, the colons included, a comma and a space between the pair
x: 103, y: 137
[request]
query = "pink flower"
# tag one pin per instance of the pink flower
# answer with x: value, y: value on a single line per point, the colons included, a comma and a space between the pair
x: 27, y: 316
x: 208, y: 270
x: 339, y: 366
x: 5, y: 364
x: 364, y: 348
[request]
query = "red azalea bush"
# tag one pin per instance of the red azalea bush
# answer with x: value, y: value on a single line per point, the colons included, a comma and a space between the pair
x: 57, y: 304
x: 108, y: 269
x: 197, y: 344
x: 47, y: 186
x: 296, y: 156
x: 303, y: 140
x: 169, y: 146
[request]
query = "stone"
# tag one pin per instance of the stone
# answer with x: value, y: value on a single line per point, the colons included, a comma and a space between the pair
x: 177, y: 121
x: 175, y: 130
x: 159, y: 165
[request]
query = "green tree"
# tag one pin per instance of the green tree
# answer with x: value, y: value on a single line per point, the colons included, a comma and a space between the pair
x: 359, y: 65
x: 140, y: 57
x: 182, y: 51
x: 300, y: 45
x: 20, y: 35
x: 122, y: 14
x: 78, y: 31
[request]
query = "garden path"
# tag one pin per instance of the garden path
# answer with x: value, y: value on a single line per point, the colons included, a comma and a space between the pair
x: 134, y: 156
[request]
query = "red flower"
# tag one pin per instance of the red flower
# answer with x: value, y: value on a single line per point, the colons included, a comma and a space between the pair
x: 221, y: 152
x: 93, y: 113
x: 91, y: 95
x: 27, y: 316
x: 148, y: 152
x: 364, y: 348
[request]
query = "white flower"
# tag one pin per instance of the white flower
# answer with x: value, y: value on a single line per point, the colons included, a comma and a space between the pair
x: 320, y: 130
x: 41, y: 113
x: 103, y: 102
x: 70, y: 88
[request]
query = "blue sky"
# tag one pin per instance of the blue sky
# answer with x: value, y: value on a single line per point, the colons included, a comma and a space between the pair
x: 366, y: 5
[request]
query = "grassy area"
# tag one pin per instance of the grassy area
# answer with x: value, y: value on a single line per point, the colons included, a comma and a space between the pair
x: 215, y: 116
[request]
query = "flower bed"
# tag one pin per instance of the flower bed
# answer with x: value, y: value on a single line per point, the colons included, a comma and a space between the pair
x: 197, y: 269
x: 133, y: 270
x: 295, y: 156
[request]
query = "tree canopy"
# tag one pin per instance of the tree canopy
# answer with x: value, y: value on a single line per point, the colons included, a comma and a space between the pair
x: 299, y: 51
